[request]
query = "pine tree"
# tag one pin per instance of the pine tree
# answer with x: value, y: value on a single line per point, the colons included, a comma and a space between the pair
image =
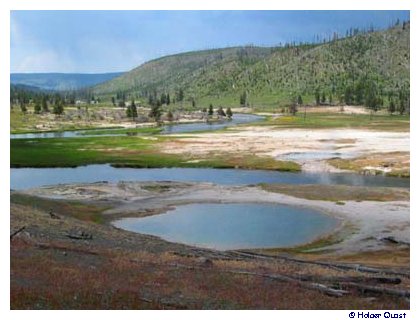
x: 243, y: 99
x: 317, y: 97
x: 293, y: 106
x: 58, y: 108
x: 23, y: 107
x: 132, y: 110
x: 348, y: 96
x: 221, y: 112
x: 128, y: 112
x: 37, y: 108
x: 180, y: 96
x: 293, y: 109
x: 163, y: 99
x: 391, y: 106
x: 229, y: 113
x: 210, y: 110
x: 360, y: 91
x: 155, y: 113
x: 44, y: 104
x: 372, y: 100
x: 151, y: 100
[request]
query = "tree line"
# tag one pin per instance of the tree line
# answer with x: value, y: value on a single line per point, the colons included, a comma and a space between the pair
x: 42, y: 102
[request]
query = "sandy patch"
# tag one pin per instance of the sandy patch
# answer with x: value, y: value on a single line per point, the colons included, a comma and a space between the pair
x: 310, y: 148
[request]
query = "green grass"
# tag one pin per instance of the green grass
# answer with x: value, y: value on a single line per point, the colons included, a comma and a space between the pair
x: 141, y: 152
x: 72, y: 152
x: 338, y: 120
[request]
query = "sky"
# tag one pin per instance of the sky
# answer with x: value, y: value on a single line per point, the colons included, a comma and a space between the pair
x: 112, y: 41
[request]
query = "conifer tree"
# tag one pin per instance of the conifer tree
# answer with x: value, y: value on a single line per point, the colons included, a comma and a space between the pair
x: 229, y: 112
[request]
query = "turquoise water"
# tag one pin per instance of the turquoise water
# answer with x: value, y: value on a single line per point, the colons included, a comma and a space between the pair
x: 234, y: 226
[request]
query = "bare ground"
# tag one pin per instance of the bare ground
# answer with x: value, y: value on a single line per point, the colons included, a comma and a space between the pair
x: 310, y: 148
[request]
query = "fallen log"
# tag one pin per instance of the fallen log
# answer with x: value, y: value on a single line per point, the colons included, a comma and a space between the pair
x: 312, y: 285
x: 355, y: 279
x: 372, y: 289
x: 279, y: 277
x: 308, y: 281
x: 342, y: 266
x: 17, y: 232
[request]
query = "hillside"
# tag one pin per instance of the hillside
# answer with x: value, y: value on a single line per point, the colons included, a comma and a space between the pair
x: 60, y: 81
x: 182, y: 70
x: 339, y: 70
x: 24, y: 88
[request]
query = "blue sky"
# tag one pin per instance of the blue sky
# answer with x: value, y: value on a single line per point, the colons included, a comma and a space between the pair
x: 108, y: 41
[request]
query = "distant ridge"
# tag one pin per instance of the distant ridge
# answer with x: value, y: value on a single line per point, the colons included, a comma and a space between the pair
x: 61, y: 81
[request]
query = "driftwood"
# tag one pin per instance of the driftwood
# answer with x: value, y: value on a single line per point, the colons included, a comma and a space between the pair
x: 366, y: 288
x: 17, y: 232
x: 340, y: 266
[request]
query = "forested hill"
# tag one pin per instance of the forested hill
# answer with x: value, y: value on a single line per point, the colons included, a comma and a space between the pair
x: 352, y: 69
x: 61, y: 81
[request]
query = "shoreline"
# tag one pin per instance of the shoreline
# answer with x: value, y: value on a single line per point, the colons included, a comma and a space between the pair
x: 137, y: 199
